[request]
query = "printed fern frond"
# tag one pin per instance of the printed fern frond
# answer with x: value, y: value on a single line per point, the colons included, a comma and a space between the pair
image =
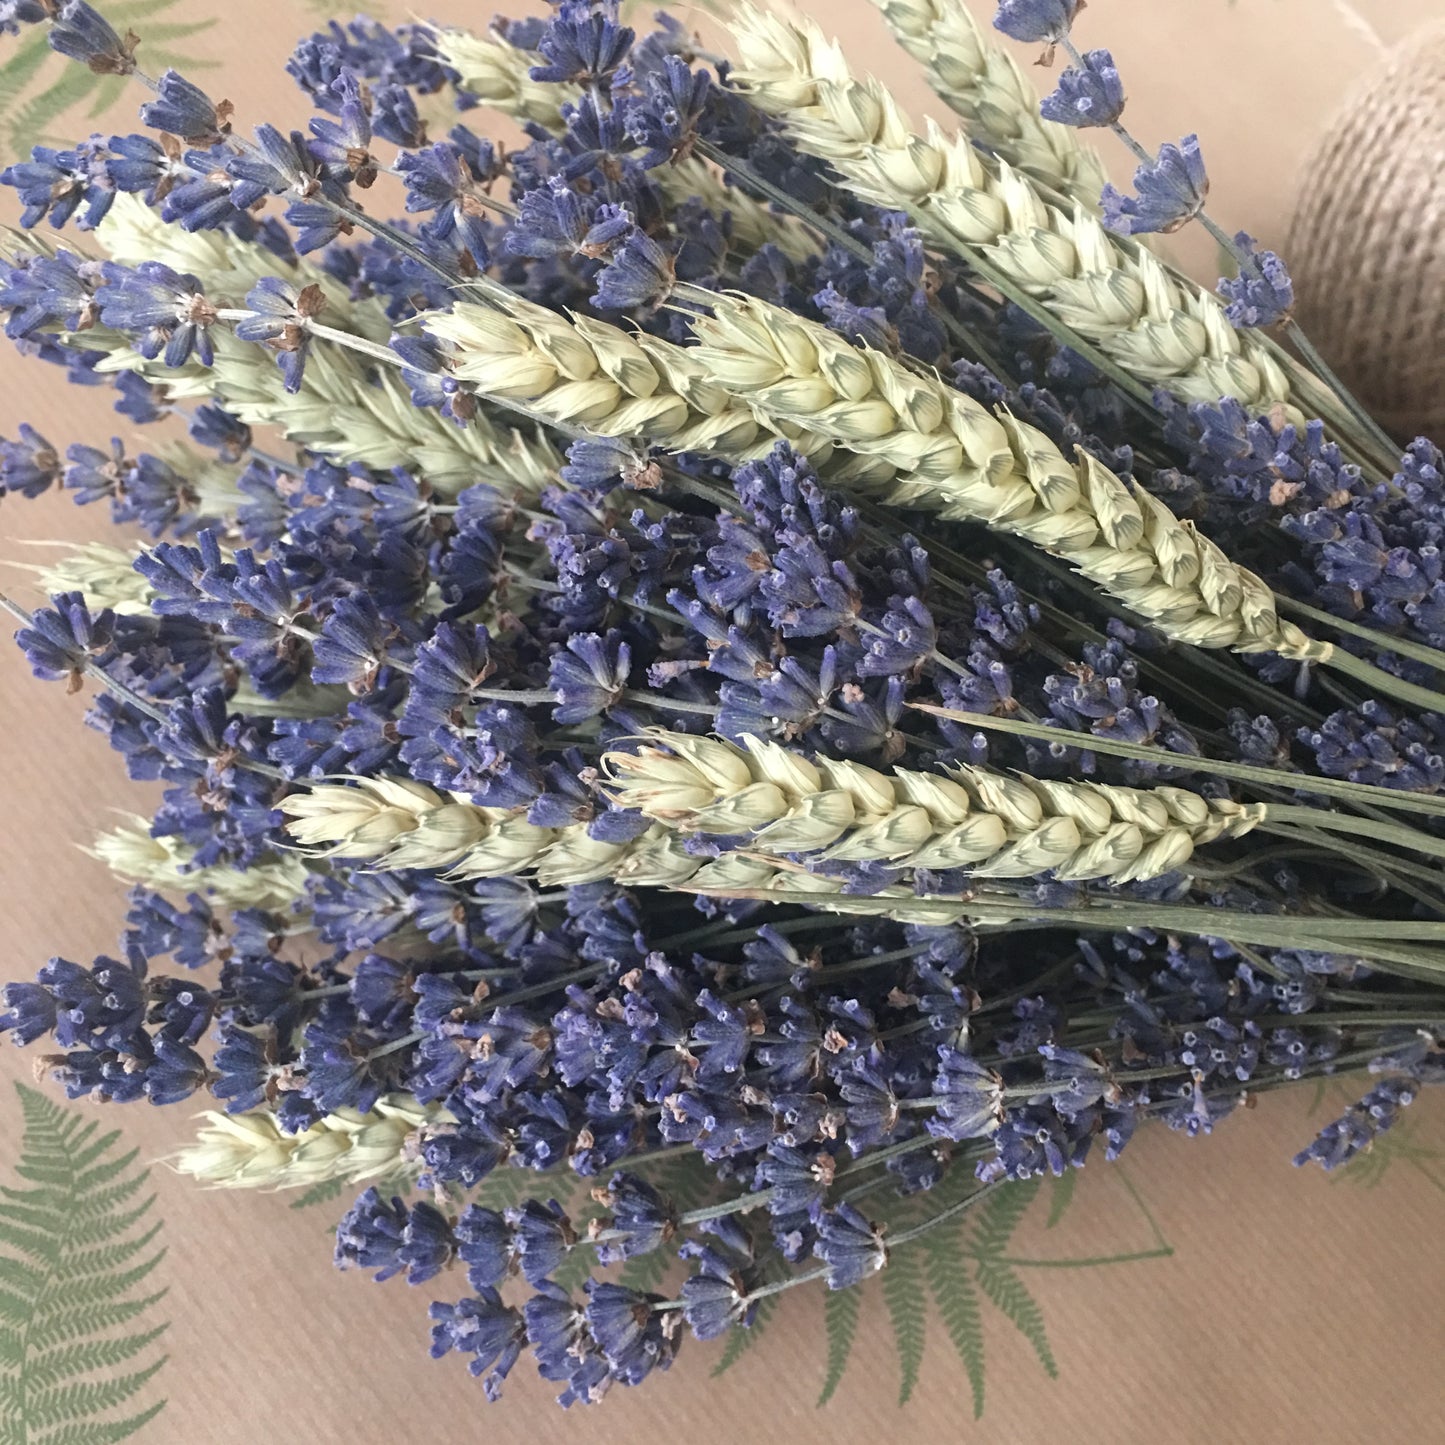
x: 17, y: 71
x: 37, y: 86
x: 83, y: 1321
x: 49, y: 1367
x: 327, y: 1189
x: 741, y: 1340
x: 903, y: 1293
x: 950, y: 1279
x: 67, y: 1404
x: 1009, y: 1293
x: 1001, y: 1214
x: 1061, y: 1196
x: 72, y: 1250
x: 646, y: 1271
x: 573, y: 1270
x: 841, y: 1308
x: 507, y: 1188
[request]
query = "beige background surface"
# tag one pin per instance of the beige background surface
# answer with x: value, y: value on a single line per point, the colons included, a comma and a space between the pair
x: 1294, y: 1309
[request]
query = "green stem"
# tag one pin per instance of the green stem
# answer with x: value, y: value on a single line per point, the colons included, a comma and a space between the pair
x: 1399, y: 834
x: 1385, y: 683
x: 944, y: 1215
x: 1388, y: 453
x: 1385, y: 641
x: 1358, y: 793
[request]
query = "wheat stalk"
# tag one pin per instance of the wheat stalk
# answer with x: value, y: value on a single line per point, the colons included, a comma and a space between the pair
x: 783, y: 804
x: 168, y: 865
x: 1160, y: 331
x: 250, y: 1151
x: 958, y: 459
x: 982, y: 83
x: 497, y: 71
x: 106, y: 576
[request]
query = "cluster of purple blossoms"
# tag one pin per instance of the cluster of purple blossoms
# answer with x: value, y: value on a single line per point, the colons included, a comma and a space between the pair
x: 313, y: 616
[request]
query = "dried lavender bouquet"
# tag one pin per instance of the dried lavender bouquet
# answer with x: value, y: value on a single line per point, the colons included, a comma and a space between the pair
x: 736, y: 634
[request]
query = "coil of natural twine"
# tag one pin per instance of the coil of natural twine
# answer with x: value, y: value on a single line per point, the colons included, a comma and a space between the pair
x: 1367, y: 243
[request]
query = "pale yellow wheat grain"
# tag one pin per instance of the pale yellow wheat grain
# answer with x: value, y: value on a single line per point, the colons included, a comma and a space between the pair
x: 169, y: 865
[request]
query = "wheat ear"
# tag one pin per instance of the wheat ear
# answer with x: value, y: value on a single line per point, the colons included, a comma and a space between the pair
x: 344, y: 408
x: 498, y: 72
x: 166, y: 864
x: 105, y: 574
x: 1160, y: 331
x: 581, y: 374
x: 982, y: 82
x: 250, y: 1151
x: 830, y: 810
x: 994, y: 825
x: 958, y: 459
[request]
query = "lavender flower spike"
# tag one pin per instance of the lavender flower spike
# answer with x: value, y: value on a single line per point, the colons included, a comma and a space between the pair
x: 1171, y: 192
x: 1262, y: 293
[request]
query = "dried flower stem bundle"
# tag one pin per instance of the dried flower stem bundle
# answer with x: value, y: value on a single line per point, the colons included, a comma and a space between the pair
x: 398, y: 685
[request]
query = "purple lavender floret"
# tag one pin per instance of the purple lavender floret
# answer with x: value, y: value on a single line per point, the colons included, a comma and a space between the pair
x: 80, y: 32
x: 583, y: 43
x: 1357, y: 1129
x: 1088, y: 95
x: 183, y: 109
x: 640, y: 275
x: 1262, y: 293
x: 53, y: 184
x: 63, y: 640
x: 1047, y: 20
x: 28, y: 466
x: 1171, y: 191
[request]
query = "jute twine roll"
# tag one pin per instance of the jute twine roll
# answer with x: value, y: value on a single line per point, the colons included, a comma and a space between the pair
x: 1367, y: 244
